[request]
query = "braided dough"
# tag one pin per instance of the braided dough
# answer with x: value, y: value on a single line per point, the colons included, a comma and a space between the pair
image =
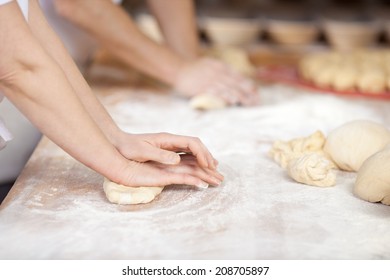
x: 305, y: 160
x: 362, y: 146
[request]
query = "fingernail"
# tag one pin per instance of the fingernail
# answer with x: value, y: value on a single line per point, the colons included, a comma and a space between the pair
x: 203, y: 185
x: 217, y: 182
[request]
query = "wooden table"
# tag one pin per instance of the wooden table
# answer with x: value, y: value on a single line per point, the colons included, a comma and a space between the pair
x: 57, y: 208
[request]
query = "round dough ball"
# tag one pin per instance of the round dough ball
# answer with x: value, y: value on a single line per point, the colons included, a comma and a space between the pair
x: 352, y: 143
x: 207, y: 102
x: 120, y: 194
x: 372, y: 81
x: 310, y: 65
x: 326, y: 77
x: 365, y: 71
x: 373, y: 179
x: 347, y: 78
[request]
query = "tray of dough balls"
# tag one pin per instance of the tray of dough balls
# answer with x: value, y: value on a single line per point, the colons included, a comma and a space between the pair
x: 355, y: 73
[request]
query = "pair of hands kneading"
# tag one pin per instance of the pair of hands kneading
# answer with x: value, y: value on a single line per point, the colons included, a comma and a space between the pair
x: 218, y: 81
x: 154, y: 163
x: 211, y: 83
x: 359, y: 146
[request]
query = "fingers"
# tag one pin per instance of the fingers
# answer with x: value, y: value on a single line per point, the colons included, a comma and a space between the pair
x: 211, y: 76
x: 155, y: 174
x: 199, y: 150
x: 231, y: 86
x: 162, y: 156
x: 189, y: 160
x: 187, y: 144
x: 186, y: 179
x: 242, y: 88
x: 188, y: 172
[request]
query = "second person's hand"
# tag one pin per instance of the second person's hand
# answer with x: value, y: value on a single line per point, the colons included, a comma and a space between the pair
x: 211, y: 76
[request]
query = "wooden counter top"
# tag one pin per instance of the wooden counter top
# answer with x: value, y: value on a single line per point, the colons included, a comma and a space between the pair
x: 57, y: 208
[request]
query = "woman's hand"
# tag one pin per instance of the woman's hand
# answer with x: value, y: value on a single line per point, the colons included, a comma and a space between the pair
x: 154, y: 161
x: 154, y: 174
x: 163, y: 148
x: 211, y: 76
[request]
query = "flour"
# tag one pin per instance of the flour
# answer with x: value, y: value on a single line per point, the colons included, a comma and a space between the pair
x: 258, y: 212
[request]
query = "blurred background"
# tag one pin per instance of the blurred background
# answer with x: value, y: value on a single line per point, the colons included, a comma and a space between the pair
x: 341, y: 24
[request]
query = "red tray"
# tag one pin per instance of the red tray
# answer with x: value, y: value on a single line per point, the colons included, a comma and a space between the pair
x: 289, y: 75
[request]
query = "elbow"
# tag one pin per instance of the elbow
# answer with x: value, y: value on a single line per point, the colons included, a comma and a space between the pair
x: 11, y: 77
x: 20, y: 67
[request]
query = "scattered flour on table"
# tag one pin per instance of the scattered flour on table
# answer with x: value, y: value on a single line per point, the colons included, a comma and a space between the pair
x: 259, y: 213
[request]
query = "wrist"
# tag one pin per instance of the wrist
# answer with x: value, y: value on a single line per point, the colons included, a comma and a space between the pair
x: 118, y: 137
x: 173, y: 71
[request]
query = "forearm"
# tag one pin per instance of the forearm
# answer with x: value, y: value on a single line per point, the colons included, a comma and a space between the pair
x: 117, y: 33
x: 37, y: 86
x: 60, y: 118
x: 54, y: 47
x: 177, y: 20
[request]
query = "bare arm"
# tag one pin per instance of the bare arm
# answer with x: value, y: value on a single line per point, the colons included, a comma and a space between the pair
x: 117, y: 33
x: 38, y: 87
x: 177, y: 20
x: 56, y: 50
x: 122, y: 141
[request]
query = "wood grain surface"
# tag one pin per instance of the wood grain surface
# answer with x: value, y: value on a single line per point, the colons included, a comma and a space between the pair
x: 57, y: 208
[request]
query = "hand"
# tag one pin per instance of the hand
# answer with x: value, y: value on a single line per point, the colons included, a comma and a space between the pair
x: 154, y: 174
x: 210, y: 76
x: 163, y: 148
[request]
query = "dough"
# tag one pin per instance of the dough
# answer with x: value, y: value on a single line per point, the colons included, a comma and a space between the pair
x: 373, y: 179
x: 129, y: 195
x: 282, y: 152
x: 312, y: 169
x: 372, y: 80
x: 149, y: 26
x: 305, y: 160
x: 207, y: 102
x: 346, y: 79
x: 352, y: 143
x: 238, y: 60
x: 235, y: 57
x: 311, y: 64
x: 365, y: 70
x: 326, y: 76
